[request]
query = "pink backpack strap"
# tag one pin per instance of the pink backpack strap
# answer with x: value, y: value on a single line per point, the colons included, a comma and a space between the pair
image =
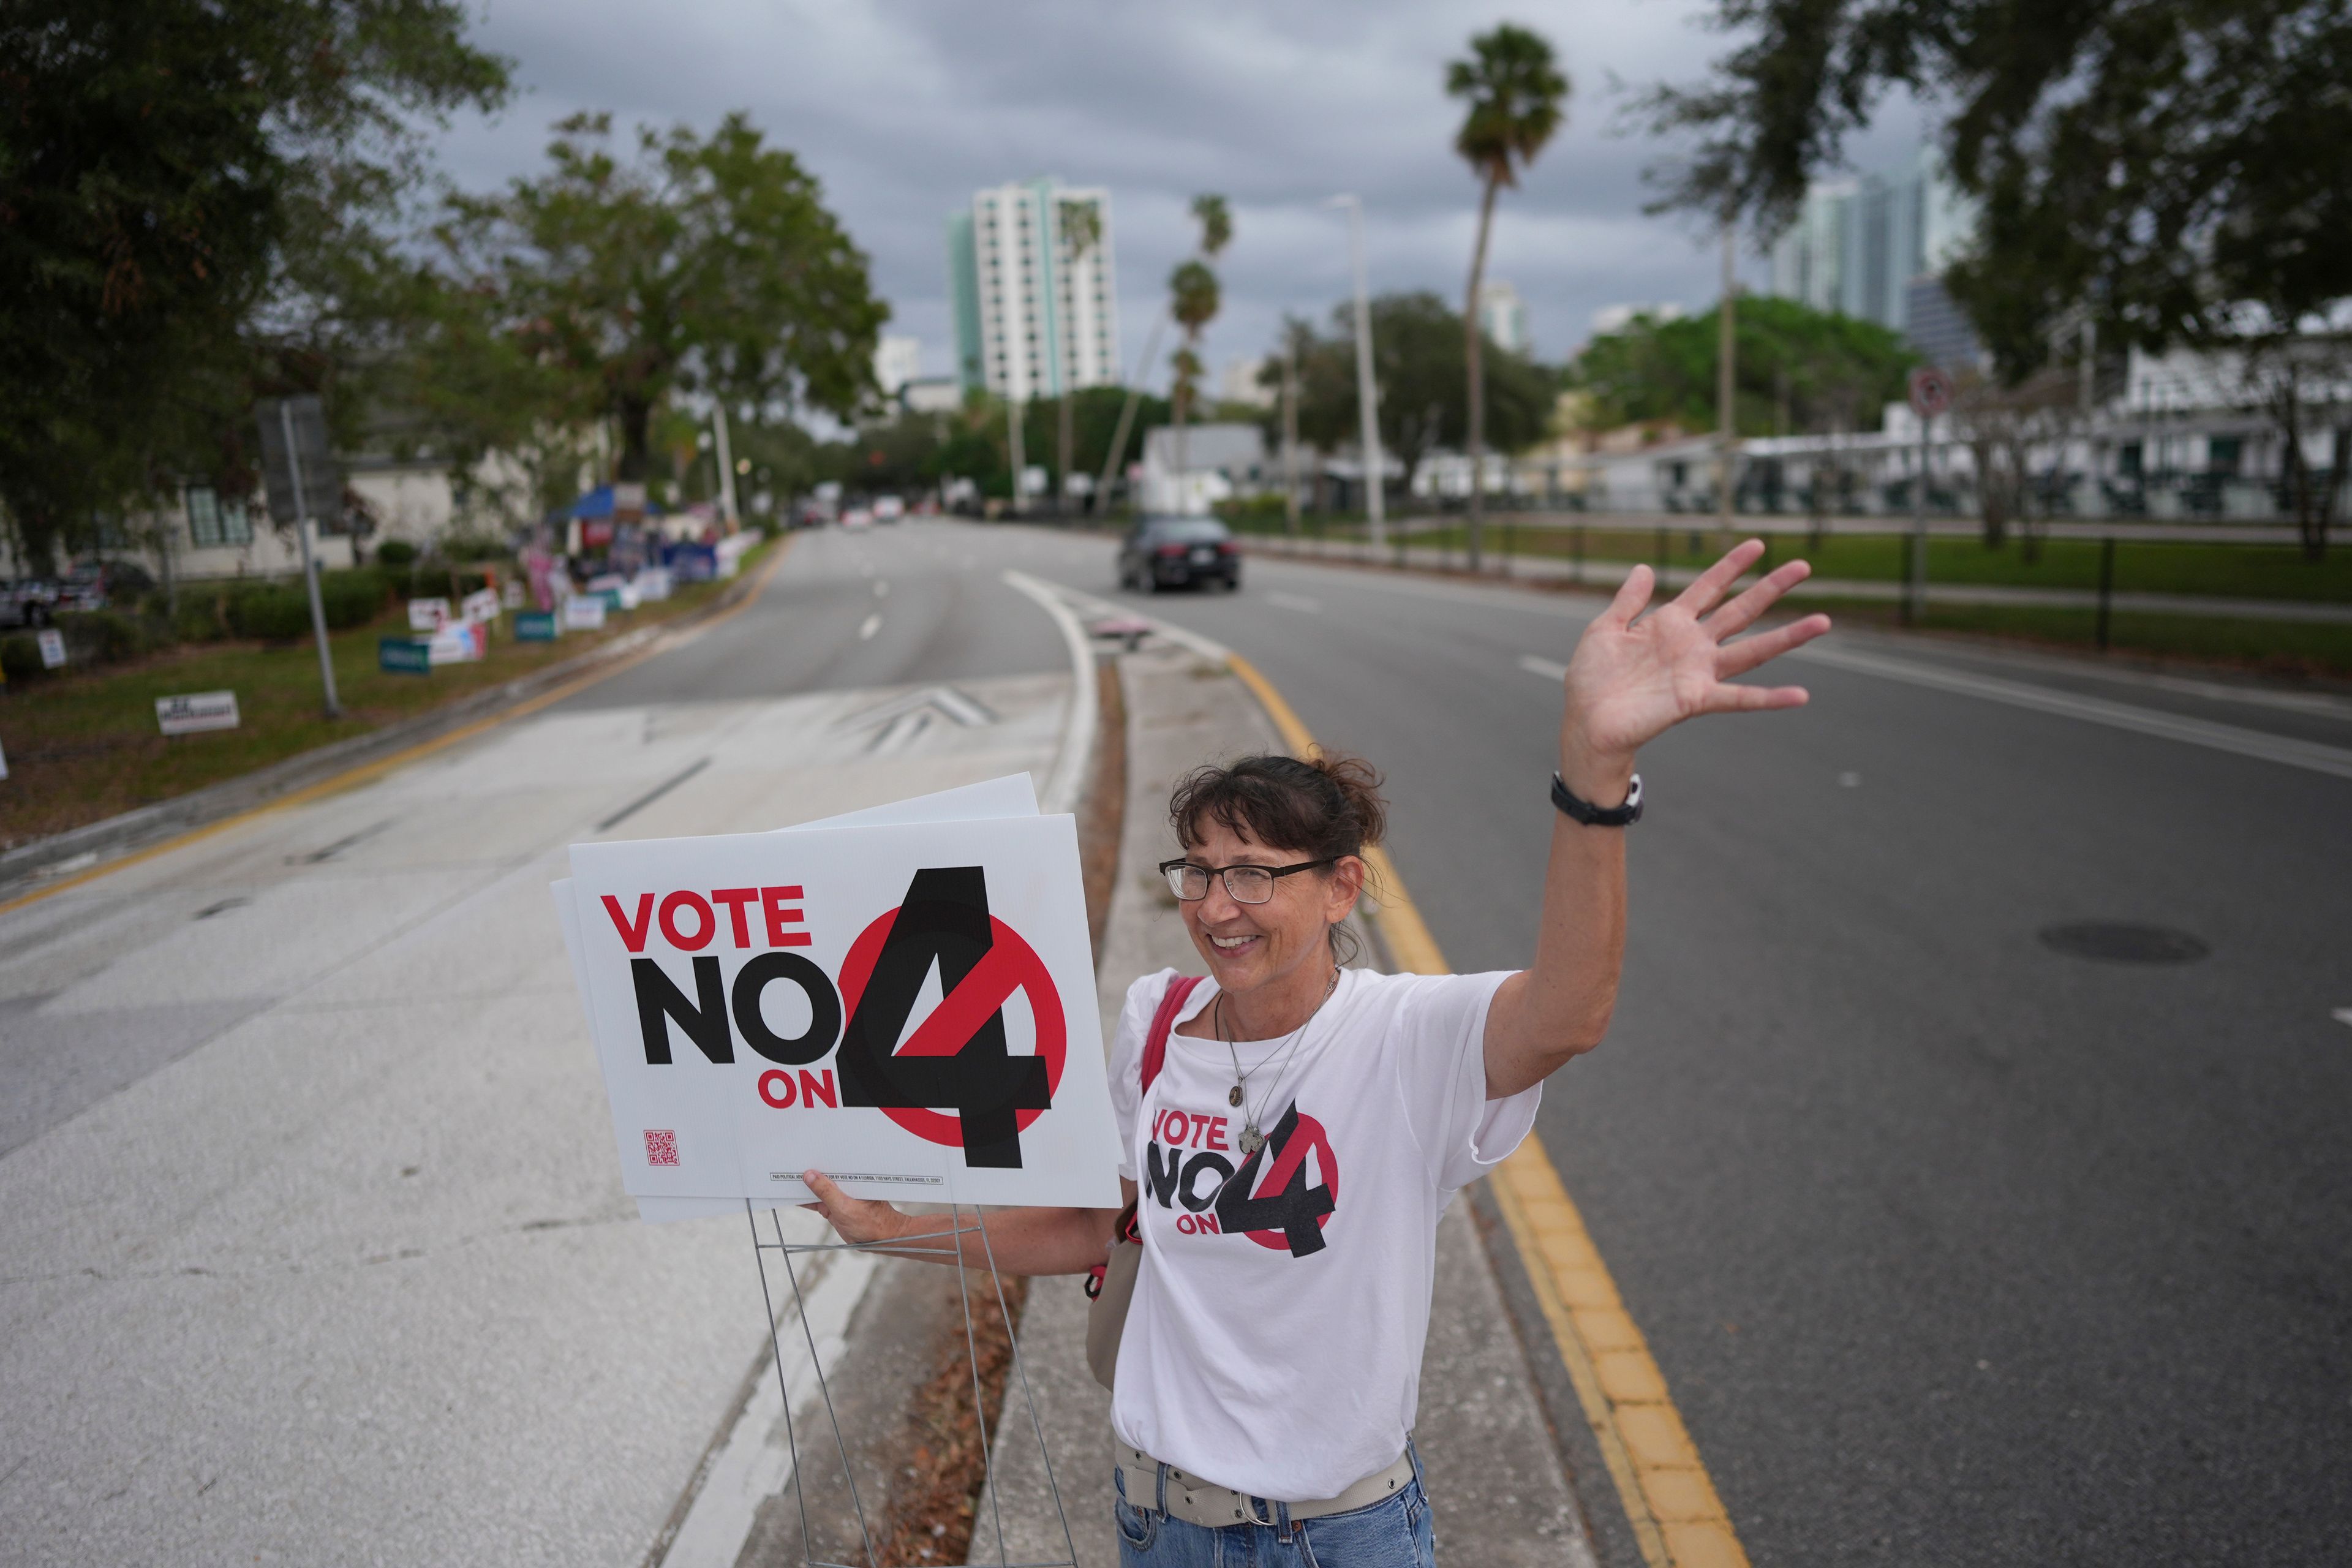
x: 1163, y: 1023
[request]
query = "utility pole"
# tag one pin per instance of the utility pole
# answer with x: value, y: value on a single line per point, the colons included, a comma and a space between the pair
x: 1020, y: 463
x: 301, y: 421
x: 1723, y: 379
x: 1127, y: 415
x: 1366, y: 394
x: 726, y: 457
x: 1290, y: 435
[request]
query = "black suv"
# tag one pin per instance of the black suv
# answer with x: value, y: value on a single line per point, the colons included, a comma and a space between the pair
x: 1175, y: 551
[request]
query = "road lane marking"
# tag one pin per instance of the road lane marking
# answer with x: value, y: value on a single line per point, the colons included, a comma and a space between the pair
x: 2334, y: 760
x: 368, y: 773
x: 1549, y: 668
x: 1669, y: 1499
x: 1069, y: 780
x: 871, y: 624
x: 2342, y: 1014
x: 1300, y: 602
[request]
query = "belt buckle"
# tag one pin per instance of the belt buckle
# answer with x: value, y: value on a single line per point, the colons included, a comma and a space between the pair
x: 1249, y: 1503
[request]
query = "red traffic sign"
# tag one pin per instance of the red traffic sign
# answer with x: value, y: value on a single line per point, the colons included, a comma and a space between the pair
x: 1931, y: 392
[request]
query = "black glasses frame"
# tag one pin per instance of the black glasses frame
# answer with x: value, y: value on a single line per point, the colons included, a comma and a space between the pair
x: 1167, y: 870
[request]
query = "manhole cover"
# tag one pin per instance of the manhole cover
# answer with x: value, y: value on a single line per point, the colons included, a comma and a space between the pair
x: 2114, y: 941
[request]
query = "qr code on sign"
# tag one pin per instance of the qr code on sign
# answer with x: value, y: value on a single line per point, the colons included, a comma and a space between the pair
x: 661, y: 1146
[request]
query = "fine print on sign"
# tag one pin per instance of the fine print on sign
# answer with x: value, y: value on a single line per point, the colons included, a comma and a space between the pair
x: 1931, y: 392
x: 906, y: 1004
x: 196, y: 711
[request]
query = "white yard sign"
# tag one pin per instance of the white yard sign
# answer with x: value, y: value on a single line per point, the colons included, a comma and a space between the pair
x: 196, y: 711
x: 427, y: 614
x: 909, y: 1008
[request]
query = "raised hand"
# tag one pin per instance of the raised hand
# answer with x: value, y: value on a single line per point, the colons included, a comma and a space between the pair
x: 1633, y: 679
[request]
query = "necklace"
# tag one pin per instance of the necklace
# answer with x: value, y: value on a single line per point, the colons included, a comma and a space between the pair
x: 1251, y: 1139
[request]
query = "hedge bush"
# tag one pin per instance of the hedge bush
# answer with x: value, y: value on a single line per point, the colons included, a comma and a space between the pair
x: 395, y: 553
x: 20, y: 659
x: 105, y: 637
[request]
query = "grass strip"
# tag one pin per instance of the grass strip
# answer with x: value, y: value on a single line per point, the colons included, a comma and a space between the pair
x: 83, y: 745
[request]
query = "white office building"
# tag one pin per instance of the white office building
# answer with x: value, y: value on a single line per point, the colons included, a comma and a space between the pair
x: 1034, y: 315
x: 897, y: 361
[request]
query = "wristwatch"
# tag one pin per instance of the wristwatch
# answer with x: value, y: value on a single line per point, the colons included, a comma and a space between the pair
x: 1592, y: 815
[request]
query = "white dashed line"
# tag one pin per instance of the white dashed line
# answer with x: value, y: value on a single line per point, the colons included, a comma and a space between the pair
x: 2342, y: 1014
x: 1549, y: 670
x: 873, y: 624
x: 1294, y: 601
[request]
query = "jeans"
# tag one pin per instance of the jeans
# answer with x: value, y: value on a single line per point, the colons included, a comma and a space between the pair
x: 1393, y: 1532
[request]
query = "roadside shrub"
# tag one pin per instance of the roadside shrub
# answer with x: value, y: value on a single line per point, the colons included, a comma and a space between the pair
x: 473, y: 547
x: 103, y: 637
x: 351, y: 598
x: 199, y: 616
x: 20, y: 659
x: 270, y: 611
x: 395, y: 553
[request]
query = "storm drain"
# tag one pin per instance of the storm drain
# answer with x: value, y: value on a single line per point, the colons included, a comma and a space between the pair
x: 2116, y: 941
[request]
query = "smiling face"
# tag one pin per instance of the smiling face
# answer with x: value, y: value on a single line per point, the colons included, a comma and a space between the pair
x: 1251, y: 948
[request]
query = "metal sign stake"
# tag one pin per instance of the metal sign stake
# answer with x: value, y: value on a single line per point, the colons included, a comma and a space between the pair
x: 309, y: 566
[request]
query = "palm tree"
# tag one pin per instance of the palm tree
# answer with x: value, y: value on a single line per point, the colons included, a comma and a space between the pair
x: 1194, y: 301
x: 1081, y: 224
x: 1517, y: 98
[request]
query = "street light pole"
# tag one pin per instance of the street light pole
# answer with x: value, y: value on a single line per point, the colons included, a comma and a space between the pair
x: 1724, y: 383
x: 1375, y: 507
x: 726, y: 467
x: 310, y: 565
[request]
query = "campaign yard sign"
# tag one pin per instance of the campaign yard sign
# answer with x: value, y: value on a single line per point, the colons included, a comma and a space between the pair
x: 53, y: 647
x: 403, y: 656
x: 909, y: 1008
x: 427, y: 614
x: 537, y: 625
x: 194, y: 712
x: 585, y: 613
x: 482, y: 605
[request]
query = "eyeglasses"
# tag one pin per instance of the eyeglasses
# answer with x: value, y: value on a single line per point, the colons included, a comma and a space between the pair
x: 1244, y: 884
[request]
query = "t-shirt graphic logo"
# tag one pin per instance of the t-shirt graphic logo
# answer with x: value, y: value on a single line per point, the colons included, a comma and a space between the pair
x: 1281, y: 1210
x: 956, y: 1060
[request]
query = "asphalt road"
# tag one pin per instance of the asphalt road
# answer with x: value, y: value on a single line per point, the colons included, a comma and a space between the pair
x: 1953, y: 1247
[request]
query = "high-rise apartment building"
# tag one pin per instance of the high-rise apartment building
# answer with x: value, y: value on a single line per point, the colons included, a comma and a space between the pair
x: 1503, y: 316
x: 1035, y: 314
x: 1857, y: 245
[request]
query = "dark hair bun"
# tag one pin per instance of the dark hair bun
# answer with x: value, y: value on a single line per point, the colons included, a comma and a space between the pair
x: 1324, y: 806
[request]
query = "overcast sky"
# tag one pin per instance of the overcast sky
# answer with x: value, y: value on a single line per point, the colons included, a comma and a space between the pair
x: 902, y: 108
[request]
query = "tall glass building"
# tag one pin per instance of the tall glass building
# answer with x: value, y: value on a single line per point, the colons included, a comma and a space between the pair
x: 1862, y: 246
x: 1035, y: 314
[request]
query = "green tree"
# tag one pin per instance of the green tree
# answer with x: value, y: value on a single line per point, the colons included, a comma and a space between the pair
x: 2172, y: 170
x: 1798, y: 369
x: 197, y: 203
x: 705, y: 265
x: 1516, y: 95
x: 1418, y: 354
x: 1195, y: 300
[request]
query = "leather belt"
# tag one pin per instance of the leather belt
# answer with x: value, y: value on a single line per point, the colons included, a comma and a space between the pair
x: 1213, y: 1507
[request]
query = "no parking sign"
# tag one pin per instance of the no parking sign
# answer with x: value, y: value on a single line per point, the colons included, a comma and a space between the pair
x: 909, y: 1008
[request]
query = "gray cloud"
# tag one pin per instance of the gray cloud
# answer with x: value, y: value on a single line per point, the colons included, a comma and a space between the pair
x: 903, y: 107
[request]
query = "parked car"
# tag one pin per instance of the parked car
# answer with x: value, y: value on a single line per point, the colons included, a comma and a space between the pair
x: 857, y: 517
x: 1178, y: 551
x: 83, y: 588
x: 27, y: 601
x: 888, y: 509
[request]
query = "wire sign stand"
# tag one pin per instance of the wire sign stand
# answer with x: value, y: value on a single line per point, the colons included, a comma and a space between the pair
x: 962, y: 1220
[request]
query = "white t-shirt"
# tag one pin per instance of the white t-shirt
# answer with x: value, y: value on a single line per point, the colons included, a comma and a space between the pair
x: 1273, y: 1343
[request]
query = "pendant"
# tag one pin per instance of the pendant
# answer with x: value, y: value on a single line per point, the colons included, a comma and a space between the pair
x: 1251, y: 1139
x: 1234, y: 1099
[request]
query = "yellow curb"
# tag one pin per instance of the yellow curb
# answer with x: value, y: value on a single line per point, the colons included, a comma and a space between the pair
x: 1677, y: 1519
x: 367, y: 772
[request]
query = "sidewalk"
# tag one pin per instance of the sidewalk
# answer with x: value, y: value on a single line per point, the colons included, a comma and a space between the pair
x: 318, y: 1250
x: 1555, y: 571
x: 1498, y: 1489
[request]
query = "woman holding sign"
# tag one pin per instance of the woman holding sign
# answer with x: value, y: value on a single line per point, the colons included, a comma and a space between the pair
x: 1294, y: 1129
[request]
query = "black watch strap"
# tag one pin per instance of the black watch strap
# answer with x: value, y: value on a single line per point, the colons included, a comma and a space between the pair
x: 1591, y: 815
